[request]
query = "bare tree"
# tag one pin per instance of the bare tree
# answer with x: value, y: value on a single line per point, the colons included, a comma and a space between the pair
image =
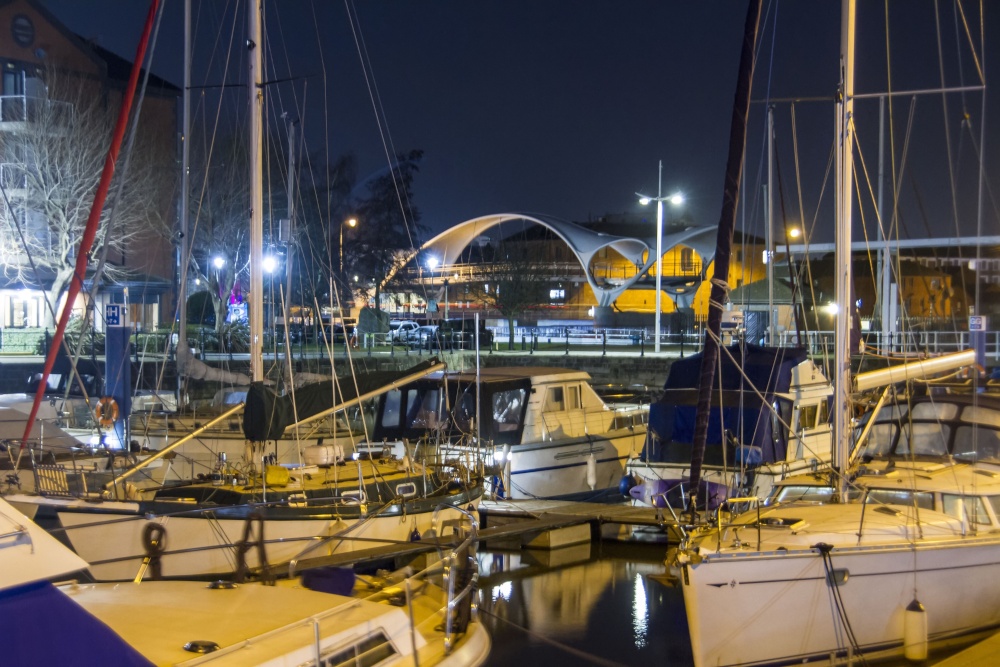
x: 388, y: 226
x: 52, y: 164
x: 513, y: 278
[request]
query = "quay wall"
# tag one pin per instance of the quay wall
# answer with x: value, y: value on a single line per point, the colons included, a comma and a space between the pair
x: 627, y: 369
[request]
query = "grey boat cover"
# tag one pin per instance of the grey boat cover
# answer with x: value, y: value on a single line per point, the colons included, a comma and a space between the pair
x: 266, y: 414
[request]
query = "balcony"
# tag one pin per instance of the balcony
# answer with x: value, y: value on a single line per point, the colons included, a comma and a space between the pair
x: 17, y: 111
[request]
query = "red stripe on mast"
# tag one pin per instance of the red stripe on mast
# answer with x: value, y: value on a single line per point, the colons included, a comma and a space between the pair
x: 95, y: 216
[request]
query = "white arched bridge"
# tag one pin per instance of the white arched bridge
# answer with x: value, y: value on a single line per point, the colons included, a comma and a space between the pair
x: 585, y: 244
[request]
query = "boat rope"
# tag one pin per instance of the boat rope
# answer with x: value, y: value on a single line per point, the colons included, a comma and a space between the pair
x: 154, y: 540
x: 824, y: 550
x: 245, y: 544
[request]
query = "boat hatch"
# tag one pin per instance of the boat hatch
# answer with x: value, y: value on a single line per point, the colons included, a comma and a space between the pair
x: 783, y: 522
x: 372, y: 650
x: 407, y: 490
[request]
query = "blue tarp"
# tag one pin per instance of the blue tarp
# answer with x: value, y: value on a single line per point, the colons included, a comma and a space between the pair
x: 42, y: 626
x: 738, y: 410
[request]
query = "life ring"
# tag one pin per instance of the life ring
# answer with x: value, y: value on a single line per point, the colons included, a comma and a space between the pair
x: 106, y: 412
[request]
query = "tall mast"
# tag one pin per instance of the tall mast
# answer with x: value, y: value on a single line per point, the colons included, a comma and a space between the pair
x: 843, y: 291
x: 724, y: 244
x: 182, y: 240
x: 255, y: 82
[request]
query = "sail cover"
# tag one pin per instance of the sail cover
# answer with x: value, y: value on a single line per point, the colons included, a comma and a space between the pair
x: 266, y: 415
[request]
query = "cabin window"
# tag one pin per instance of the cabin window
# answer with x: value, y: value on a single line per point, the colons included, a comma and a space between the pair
x: 880, y: 440
x: 424, y: 408
x: 555, y: 400
x: 966, y: 507
x: 807, y: 416
x: 573, y: 401
x: 507, y: 409
x: 972, y: 443
x: 808, y: 493
x: 924, y: 501
x: 935, y: 411
x: 465, y: 410
x: 976, y: 414
x: 924, y: 440
x: 824, y: 412
x: 995, y: 504
x: 390, y: 414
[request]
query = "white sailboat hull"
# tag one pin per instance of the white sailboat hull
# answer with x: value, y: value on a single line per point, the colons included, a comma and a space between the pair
x: 777, y: 607
x: 115, y: 541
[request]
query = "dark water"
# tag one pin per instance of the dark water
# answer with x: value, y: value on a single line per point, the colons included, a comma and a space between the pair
x: 599, y: 604
x: 605, y: 603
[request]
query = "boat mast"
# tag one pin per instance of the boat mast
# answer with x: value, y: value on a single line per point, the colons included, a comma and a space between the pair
x: 843, y: 291
x: 255, y: 84
x: 724, y: 245
x: 183, y: 259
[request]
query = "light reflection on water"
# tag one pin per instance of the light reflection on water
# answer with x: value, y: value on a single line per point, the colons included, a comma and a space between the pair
x: 587, y: 604
x: 600, y: 604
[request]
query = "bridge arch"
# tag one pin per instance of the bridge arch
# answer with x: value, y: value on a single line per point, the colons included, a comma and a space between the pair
x: 584, y: 243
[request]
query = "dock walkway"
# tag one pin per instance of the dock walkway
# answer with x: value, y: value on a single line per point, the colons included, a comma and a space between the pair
x: 524, y: 521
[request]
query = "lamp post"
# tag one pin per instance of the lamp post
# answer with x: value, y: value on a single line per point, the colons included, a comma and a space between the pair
x: 270, y: 266
x: 350, y: 222
x: 676, y: 199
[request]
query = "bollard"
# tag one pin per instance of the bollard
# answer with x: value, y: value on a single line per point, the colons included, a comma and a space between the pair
x: 604, y: 343
x: 642, y: 344
x: 567, y: 341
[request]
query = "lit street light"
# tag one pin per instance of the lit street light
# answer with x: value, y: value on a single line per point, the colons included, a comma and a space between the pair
x: 350, y: 222
x: 675, y: 199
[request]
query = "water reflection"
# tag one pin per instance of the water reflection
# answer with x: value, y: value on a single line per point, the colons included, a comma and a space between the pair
x: 588, y: 604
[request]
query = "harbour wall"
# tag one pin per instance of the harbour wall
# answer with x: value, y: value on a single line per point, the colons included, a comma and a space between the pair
x: 614, y: 368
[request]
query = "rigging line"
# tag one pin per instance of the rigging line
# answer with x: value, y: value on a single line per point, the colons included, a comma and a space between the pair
x: 944, y: 120
x: 977, y: 63
x: 771, y: 408
x: 326, y: 127
x: 208, y: 151
x: 380, y: 120
x: 797, y: 309
x: 807, y: 264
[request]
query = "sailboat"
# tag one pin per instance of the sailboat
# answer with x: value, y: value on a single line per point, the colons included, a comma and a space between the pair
x: 251, y: 514
x: 294, y: 621
x: 908, y: 560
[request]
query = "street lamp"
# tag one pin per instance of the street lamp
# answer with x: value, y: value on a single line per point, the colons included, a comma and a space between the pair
x: 675, y: 199
x: 350, y: 222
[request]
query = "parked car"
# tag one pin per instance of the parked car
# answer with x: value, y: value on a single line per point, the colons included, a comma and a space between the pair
x: 460, y: 334
x: 401, y: 330
x: 424, y: 338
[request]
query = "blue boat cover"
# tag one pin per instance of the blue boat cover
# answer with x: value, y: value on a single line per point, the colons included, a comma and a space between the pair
x: 42, y: 626
x: 738, y: 411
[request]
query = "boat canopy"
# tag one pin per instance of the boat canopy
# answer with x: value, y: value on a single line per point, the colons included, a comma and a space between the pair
x: 738, y: 414
x: 267, y: 414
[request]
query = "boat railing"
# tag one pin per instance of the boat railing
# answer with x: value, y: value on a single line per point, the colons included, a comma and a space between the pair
x: 460, y: 573
x: 70, y: 479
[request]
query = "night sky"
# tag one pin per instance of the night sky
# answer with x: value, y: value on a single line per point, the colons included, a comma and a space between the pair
x: 565, y: 108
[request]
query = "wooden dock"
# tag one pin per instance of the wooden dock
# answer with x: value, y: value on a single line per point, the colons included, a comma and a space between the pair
x: 529, y: 523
